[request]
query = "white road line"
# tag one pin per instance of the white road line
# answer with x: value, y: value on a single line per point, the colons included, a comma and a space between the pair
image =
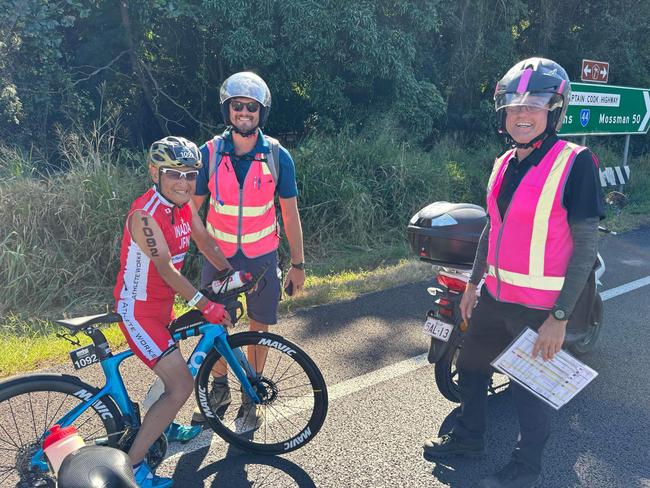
x: 627, y: 287
x: 347, y: 387
x: 354, y: 385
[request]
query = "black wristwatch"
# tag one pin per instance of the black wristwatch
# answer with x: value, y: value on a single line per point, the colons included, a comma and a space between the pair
x: 559, y: 314
x: 300, y: 266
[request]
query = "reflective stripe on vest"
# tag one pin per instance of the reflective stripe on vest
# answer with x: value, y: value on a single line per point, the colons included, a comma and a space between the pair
x: 552, y: 283
x: 244, y: 239
x: 529, y: 249
x: 247, y: 211
x: 243, y: 218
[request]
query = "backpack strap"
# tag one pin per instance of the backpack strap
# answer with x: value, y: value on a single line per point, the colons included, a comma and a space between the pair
x: 215, y: 149
x: 273, y: 159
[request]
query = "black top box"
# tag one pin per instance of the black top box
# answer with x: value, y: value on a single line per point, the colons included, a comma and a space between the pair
x: 446, y: 233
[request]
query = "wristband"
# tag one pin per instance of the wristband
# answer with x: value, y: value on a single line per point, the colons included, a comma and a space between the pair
x: 195, y: 299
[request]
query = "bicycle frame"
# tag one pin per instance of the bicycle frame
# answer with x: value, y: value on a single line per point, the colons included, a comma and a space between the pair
x: 214, y: 335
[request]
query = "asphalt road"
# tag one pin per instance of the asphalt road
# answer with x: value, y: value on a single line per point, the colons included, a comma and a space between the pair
x: 383, y: 405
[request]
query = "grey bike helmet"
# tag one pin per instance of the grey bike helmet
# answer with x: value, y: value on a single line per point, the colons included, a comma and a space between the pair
x: 530, y: 82
x: 249, y: 85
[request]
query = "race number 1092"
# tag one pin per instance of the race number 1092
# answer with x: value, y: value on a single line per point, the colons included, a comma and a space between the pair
x: 84, y: 356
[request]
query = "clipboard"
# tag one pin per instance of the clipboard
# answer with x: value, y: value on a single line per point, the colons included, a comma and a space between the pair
x: 555, y: 381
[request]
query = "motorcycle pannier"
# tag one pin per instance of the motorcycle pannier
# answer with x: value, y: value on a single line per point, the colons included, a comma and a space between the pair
x: 447, y: 233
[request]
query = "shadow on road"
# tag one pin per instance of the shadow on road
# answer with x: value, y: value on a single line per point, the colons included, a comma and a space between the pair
x: 598, y: 441
x: 240, y: 470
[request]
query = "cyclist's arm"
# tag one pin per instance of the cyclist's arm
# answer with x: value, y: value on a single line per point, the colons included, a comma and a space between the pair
x: 206, y: 243
x: 147, y: 235
x: 293, y: 228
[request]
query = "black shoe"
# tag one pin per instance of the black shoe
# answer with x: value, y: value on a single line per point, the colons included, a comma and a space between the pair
x: 515, y: 474
x: 450, y: 445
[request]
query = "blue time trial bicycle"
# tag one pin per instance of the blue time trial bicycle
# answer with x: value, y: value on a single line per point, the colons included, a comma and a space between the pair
x: 286, y: 386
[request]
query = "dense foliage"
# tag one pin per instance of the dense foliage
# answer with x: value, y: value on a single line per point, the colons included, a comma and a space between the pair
x: 430, y: 65
x: 390, y: 101
x: 62, y: 248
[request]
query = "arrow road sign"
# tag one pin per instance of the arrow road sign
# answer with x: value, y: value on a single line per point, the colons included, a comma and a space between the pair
x: 605, y: 110
x: 596, y: 71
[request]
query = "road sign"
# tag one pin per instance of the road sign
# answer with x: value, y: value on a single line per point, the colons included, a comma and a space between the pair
x: 606, y: 110
x: 595, y: 71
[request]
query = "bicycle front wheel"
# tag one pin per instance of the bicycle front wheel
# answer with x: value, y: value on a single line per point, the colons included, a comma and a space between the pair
x: 292, y: 391
x: 29, y: 406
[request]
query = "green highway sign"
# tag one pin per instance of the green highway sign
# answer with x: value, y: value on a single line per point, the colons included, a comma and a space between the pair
x: 606, y: 110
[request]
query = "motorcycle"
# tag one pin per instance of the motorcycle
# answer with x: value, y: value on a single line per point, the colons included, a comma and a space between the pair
x: 446, y: 235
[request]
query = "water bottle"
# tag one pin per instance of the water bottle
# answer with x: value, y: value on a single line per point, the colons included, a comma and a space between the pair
x: 60, y: 442
x: 155, y: 392
x: 232, y: 282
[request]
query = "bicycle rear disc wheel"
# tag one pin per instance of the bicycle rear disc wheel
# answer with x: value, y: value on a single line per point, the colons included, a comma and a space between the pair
x: 292, y: 390
x: 29, y: 406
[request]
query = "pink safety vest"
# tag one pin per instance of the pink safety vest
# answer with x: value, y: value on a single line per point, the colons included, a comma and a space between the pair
x: 242, y: 218
x: 529, y: 250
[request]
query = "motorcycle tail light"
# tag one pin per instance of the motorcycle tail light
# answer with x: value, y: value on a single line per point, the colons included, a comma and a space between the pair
x: 453, y: 284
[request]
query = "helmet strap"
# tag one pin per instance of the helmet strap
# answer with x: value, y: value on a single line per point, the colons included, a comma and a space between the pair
x: 158, y: 187
x: 535, y: 142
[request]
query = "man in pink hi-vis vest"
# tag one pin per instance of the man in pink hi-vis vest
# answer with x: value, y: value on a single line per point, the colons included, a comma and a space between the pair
x: 245, y: 170
x: 536, y: 253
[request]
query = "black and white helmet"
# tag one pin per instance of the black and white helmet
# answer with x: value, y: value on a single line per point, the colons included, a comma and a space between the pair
x: 535, y: 82
x: 249, y: 85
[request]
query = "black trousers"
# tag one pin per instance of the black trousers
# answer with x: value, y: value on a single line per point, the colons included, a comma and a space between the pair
x: 493, y: 326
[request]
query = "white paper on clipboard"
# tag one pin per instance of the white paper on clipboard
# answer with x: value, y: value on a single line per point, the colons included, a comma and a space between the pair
x: 555, y: 381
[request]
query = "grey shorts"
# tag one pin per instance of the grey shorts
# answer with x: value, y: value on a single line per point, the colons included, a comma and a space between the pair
x: 261, y: 305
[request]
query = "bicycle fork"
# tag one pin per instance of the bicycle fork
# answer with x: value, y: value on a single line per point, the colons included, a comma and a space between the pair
x: 217, y: 337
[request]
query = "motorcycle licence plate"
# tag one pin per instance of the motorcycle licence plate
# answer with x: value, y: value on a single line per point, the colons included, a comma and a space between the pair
x: 438, y: 329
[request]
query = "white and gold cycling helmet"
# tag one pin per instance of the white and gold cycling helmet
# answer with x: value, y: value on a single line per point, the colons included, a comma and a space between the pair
x: 174, y: 152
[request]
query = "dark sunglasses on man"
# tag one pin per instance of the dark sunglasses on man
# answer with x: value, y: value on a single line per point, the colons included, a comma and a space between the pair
x: 252, y: 107
x: 175, y: 175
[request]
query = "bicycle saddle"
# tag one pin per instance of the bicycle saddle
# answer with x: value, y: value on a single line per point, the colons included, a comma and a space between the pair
x: 77, y: 323
x: 97, y: 466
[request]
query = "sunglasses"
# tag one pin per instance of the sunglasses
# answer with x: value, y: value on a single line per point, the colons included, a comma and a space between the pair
x: 175, y: 175
x: 252, y: 107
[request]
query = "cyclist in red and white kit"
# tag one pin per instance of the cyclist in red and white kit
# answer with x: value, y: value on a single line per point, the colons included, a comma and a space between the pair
x: 156, y: 238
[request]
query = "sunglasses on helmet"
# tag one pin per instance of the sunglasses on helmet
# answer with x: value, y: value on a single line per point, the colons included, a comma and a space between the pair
x: 175, y: 175
x: 252, y: 107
